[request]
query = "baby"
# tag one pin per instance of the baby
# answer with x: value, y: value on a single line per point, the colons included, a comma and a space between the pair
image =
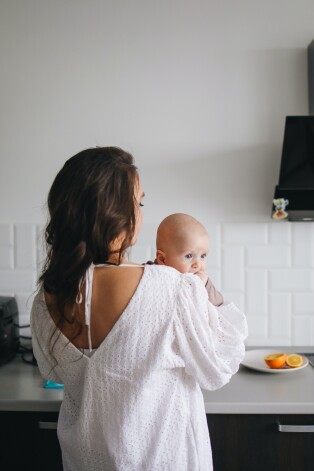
x: 182, y: 243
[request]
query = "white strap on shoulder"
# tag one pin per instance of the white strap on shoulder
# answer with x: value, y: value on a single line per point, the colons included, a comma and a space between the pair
x: 88, y: 300
x: 88, y: 295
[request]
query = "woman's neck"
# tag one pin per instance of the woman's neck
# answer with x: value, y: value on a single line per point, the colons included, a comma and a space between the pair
x: 114, y: 260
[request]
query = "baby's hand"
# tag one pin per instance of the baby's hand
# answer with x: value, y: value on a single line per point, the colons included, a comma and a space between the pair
x: 213, y: 295
x: 202, y: 275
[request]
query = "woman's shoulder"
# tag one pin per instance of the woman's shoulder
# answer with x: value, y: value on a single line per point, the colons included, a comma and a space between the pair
x: 38, y: 315
x: 168, y: 273
x: 171, y: 279
x: 163, y: 272
x: 38, y: 300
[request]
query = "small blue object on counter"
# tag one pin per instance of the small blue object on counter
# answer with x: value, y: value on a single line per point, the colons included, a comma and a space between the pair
x: 51, y: 385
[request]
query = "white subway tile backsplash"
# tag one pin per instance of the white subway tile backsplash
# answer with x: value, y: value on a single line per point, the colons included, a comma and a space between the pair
x: 24, y: 320
x: 279, y: 302
x: 303, y: 303
x: 213, y: 258
x: 279, y: 233
x: 215, y: 277
x: 257, y: 326
x: 4, y: 292
x: 17, y: 280
x: 256, y: 292
x: 233, y: 268
x: 244, y: 234
x: 268, y: 341
x: 269, y: 256
x: 302, y: 330
x: 291, y: 280
x: 25, y: 246
x: 24, y: 302
x: 6, y: 234
x: 280, y: 315
x: 6, y: 246
x: 6, y: 257
x: 266, y: 269
x: 303, y: 245
x: 236, y: 298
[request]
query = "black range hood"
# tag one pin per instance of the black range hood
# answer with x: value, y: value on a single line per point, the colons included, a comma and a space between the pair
x: 294, y: 194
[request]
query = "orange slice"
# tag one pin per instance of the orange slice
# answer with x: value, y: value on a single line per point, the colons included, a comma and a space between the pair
x: 275, y: 360
x: 294, y: 360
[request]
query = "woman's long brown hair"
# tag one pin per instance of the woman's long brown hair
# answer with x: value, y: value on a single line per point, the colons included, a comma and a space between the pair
x: 90, y: 203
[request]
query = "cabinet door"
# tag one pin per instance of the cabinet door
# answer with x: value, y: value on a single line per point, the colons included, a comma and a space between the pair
x: 28, y: 441
x: 254, y: 443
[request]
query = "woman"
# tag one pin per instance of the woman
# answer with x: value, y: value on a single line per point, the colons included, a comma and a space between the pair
x: 132, y: 344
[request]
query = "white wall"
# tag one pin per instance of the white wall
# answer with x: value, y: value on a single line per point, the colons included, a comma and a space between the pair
x: 197, y: 90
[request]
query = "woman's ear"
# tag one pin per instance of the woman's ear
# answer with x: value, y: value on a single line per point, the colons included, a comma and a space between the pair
x: 160, y: 257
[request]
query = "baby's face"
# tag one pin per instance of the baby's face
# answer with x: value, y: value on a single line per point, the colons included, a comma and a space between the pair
x: 189, y: 255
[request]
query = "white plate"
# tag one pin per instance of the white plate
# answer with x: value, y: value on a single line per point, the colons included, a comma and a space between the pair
x: 254, y: 359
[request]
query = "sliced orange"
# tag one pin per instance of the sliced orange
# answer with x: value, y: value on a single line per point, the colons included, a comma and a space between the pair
x: 294, y: 360
x: 275, y: 360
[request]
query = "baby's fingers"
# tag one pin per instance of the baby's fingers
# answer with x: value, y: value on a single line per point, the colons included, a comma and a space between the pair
x: 202, y: 276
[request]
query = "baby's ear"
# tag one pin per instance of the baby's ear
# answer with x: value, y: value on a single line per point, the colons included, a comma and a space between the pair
x: 160, y: 257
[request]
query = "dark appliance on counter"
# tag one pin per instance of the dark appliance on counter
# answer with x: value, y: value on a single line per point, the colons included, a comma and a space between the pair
x: 9, y: 335
x: 296, y: 179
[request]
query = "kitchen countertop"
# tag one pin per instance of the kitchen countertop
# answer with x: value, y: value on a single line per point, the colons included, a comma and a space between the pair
x: 248, y: 392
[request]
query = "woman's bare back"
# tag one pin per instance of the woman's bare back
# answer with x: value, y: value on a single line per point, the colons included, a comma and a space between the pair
x: 112, y: 289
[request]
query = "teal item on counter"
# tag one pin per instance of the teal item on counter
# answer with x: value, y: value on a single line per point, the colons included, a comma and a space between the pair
x: 51, y: 385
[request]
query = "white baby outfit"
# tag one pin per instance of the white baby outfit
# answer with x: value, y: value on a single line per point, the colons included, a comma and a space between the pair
x: 135, y: 404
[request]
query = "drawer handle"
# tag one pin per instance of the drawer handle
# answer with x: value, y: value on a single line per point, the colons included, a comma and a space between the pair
x: 48, y: 425
x: 296, y: 428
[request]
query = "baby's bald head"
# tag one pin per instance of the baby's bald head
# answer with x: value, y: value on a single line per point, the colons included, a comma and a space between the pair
x: 175, y: 229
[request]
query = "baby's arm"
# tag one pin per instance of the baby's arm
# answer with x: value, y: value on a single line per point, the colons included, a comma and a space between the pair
x: 214, y: 296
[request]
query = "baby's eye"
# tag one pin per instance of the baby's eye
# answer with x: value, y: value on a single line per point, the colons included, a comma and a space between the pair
x: 188, y: 256
x: 141, y: 205
x: 204, y: 255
